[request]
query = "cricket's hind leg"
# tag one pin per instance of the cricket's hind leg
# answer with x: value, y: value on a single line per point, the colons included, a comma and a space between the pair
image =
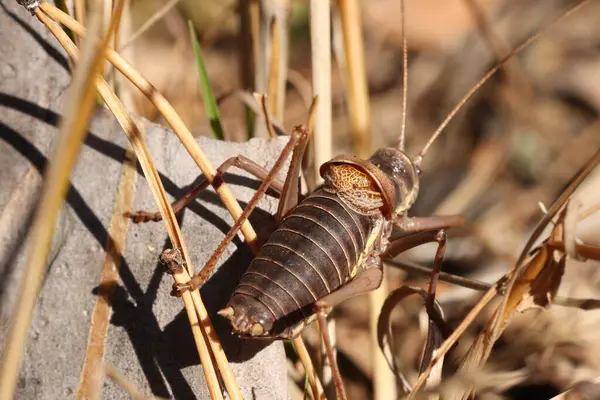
x: 240, y: 162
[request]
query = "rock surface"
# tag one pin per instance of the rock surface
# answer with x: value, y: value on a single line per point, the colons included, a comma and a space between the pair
x: 149, y: 339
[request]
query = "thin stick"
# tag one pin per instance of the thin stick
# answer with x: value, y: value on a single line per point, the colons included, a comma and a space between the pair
x: 120, y: 379
x: 247, y: 55
x: 488, y: 75
x: 172, y: 118
x: 89, y: 386
x: 157, y: 16
x: 73, y: 130
x: 384, y: 385
x: 320, y: 41
x: 357, y: 90
x: 281, y: 10
x: 274, y: 73
x: 173, y: 229
x: 401, y: 140
x: 315, y: 384
x: 80, y: 12
x: 337, y: 378
x: 508, y: 281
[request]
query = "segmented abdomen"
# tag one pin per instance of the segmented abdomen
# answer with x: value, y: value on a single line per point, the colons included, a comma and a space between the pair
x: 310, y: 254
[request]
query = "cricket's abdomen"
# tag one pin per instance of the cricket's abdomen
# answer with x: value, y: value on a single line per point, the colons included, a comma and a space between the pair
x: 312, y: 253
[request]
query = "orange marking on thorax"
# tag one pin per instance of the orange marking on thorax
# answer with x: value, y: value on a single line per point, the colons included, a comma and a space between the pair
x: 347, y: 178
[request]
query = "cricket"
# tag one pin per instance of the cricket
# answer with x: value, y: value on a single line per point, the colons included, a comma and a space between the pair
x: 329, y: 245
x: 332, y: 241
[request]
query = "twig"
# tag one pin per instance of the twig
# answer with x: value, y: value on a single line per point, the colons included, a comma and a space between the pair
x: 120, y: 379
x: 356, y: 77
x: 320, y: 39
x: 315, y: 384
x: 148, y: 24
x: 274, y: 73
x: 384, y: 384
x: 89, y: 388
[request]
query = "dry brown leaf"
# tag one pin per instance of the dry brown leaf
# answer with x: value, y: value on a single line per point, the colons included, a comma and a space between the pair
x: 544, y: 287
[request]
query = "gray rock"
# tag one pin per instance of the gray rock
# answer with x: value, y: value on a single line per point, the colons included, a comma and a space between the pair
x: 149, y: 338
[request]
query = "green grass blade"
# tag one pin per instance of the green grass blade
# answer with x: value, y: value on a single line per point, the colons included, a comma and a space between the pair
x: 210, y: 102
x: 306, y: 386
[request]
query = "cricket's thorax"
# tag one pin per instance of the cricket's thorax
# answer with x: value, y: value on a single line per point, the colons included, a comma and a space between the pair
x: 355, y: 187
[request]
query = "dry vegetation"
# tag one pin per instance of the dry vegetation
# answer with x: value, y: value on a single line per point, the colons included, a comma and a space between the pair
x: 507, y: 155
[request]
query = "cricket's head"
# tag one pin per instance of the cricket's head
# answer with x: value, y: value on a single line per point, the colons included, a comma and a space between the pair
x: 401, y: 178
x: 388, y: 180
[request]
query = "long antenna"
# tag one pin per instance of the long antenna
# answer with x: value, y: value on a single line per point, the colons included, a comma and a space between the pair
x: 404, y: 79
x: 488, y: 75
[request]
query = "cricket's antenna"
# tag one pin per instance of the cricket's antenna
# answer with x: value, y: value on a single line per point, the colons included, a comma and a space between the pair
x: 488, y: 75
x: 404, y: 79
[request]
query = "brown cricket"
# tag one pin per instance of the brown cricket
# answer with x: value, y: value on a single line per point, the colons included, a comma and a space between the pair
x: 329, y: 246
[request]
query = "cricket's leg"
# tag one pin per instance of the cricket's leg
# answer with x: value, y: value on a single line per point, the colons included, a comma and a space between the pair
x: 290, y: 193
x: 418, y: 224
x: 322, y: 309
x: 400, y: 245
x: 408, y: 242
x: 297, y: 141
x: 240, y: 162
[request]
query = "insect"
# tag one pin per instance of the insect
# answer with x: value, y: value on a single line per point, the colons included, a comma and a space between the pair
x: 329, y: 246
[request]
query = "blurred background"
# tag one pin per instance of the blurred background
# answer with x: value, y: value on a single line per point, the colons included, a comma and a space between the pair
x: 511, y: 148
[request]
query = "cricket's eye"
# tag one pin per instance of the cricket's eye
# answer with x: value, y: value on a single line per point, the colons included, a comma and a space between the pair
x: 401, y: 171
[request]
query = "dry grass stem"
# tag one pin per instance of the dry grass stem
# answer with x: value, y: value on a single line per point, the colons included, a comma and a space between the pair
x: 309, y: 368
x: 274, y: 74
x: 357, y: 94
x: 172, y: 119
x: 384, y: 383
x: 320, y: 40
x: 280, y: 33
x: 451, y: 340
x: 120, y: 379
x: 148, y: 24
x: 73, y: 130
x: 80, y: 11
x: 193, y: 303
x: 90, y: 388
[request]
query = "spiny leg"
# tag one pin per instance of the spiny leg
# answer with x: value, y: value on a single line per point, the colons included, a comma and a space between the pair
x: 400, y: 245
x: 240, y: 162
x: 322, y: 309
x: 408, y: 242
